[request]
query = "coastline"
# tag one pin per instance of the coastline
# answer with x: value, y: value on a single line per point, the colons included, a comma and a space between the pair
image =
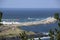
x: 12, y: 31
x: 11, y: 28
x: 44, y: 21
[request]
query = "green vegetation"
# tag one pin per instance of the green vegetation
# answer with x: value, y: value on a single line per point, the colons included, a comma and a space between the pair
x: 1, y: 16
x: 23, y: 36
x: 51, y: 33
x: 56, y: 16
x: 55, y: 35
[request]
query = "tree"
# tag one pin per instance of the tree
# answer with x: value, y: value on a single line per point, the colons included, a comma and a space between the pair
x: 23, y: 36
x: 56, y: 16
x: 1, y: 16
x: 51, y: 33
x: 58, y: 36
x: 57, y: 31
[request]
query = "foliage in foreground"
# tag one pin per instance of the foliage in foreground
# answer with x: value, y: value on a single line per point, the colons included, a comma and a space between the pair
x: 23, y: 36
x: 55, y: 34
x: 1, y: 16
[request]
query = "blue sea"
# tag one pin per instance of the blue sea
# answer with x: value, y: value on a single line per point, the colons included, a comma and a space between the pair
x: 31, y: 14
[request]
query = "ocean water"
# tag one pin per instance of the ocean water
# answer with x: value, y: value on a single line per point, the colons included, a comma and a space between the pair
x: 31, y: 14
x: 24, y: 13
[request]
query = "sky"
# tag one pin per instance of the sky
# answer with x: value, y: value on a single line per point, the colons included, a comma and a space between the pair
x: 29, y: 3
